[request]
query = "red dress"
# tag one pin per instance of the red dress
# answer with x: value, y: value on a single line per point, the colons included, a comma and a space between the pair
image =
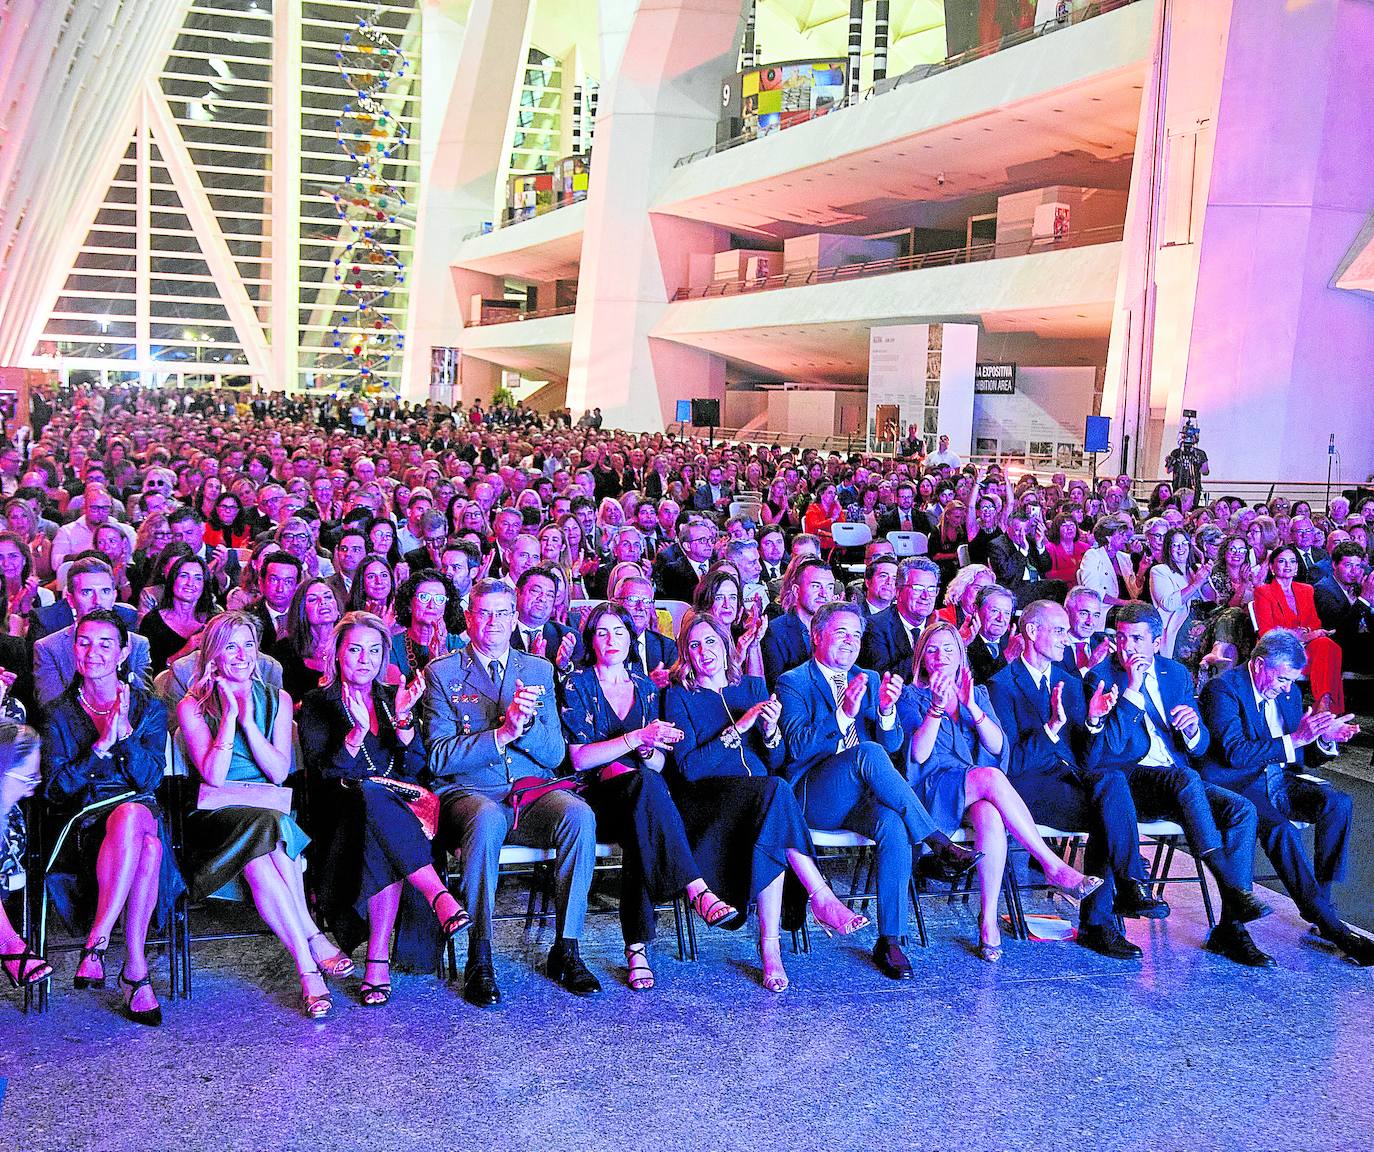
x: 1064, y: 562
x: 1272, y: 610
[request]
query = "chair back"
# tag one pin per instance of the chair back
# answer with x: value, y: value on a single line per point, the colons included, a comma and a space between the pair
x: 850, y: 535
x: 676, y: 609
x: 963, y: 556
x: 906, y: 544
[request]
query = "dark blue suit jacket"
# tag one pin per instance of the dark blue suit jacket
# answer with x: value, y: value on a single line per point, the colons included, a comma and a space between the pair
x: 809, y: 728
x: 886, y: 647
x: 1124, y: 739
x: 661, y: 649
x: 786, y: 644
x: 1023, y: 716
x: 553, y: 637
x: 1241, y: 744
x: 1353, y: 624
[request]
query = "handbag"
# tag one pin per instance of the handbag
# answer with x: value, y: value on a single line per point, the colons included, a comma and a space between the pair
x: 525, y: 790
x: 243, y: 794
x: 423, y: 803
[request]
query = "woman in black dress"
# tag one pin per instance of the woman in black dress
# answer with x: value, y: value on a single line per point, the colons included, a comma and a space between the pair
x: 617, y: 744
x: 744, y: 823
x: 307, y: 652
x: 355, y: 732
x: 105, y: 739
x: 173, y: 628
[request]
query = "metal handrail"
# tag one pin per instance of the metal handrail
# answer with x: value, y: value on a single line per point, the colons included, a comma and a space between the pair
x: 507, y: 222
x: 924, y: 71
x: 513, y: 316
x: 968, y: 254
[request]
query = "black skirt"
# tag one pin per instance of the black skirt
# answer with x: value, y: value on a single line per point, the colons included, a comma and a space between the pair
x: 222, y: 842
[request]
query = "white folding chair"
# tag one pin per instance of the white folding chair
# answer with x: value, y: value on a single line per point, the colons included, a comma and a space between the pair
x: 850, y: 535
x: 906, y: 544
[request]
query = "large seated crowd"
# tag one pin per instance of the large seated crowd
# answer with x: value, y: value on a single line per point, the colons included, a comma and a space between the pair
x: 388, y: 639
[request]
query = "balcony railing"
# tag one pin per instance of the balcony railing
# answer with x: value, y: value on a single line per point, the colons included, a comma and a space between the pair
x: 923, y: 71
x: 970, y: 254
x: 509, y: 218
x: 513, y: 317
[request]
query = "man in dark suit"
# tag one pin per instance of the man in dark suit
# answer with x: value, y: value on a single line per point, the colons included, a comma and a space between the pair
x: 1314, y: 565
x: 1152, y: 735
x: 626, y: 548
x: 879, y: 590
x: 491, y: 718
x: 1260, y: 738
x: 903, y: 516
x: 1051, y: 725
x: 281, y: 575
x: 1088, y: 645
x: 650, y: 651
x: 840, y: 725
x: 714, y: 495
x: 679, y: 573
x: 994, y: 645
x: 890, y: 638
x: 536, y: 632
x: 1019, y: 561
x: 433, y: 533
x: 1344, y: 601
x: 810, y: 585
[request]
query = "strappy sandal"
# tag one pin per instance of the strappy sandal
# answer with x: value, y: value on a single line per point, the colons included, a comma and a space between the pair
x: 455, y: 923
x: 852, y: 921
x: 776, y: 982
x: 641, y: 975
x: 152, y: 1017
x: 316, y: 1007
x: 29, y: 967
x: 712, y: 908
x: 375, y: 995
x: 339, y: 965
x: 98, y: 954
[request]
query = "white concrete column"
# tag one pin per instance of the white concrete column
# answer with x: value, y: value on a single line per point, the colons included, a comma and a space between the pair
x: 662, y: 62
x: 462, y: 134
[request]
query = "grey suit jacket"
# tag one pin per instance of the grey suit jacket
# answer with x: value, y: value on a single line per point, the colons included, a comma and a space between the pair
x: 461, y: 711
x: 54, y: 664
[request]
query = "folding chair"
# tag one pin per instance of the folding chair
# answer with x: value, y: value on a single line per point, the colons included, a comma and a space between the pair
x: 1165, y: 837
x: 906, y: 544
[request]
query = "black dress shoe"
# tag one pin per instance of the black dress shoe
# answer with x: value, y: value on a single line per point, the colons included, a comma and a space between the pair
x: 1231, y: 940
x: 1107, y: 941
x: 479, y: 985
x: 891, y: 960
x: 947, y: 862
x: 566, y: 968
x: 1133, y: 899
x: 1357, y: 949
x: 1243, y: 907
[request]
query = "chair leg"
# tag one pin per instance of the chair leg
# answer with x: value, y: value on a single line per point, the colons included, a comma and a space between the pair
x: 1206, y: 893
x: 920, y: 916
x: 677, y: 925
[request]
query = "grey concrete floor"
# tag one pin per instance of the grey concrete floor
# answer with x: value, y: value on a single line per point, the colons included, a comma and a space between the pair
x: 1054, y: 1045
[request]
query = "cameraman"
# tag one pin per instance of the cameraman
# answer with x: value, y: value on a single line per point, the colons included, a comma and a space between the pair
x: 1187, y: 464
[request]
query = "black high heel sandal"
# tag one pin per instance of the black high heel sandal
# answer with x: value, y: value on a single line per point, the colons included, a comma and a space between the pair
x: 455, y: 923
x: 30, y: 968
x: 152, y: 1017
x: 98, y: 954
x: 379, y: 993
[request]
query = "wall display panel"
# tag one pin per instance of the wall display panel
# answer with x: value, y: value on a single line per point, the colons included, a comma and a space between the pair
x: 763, y: 100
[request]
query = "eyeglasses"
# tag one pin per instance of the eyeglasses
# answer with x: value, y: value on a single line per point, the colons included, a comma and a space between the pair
x: 485, y: 615
x: 431, y: 598
x: 637, y: 602
x: 295, y: 537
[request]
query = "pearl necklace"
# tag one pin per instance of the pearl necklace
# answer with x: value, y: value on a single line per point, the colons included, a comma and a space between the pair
x: 91, y: 708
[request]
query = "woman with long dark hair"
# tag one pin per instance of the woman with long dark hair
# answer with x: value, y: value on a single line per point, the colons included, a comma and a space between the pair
x: 173, y: 628
x: 227, y: 523
x: 617, y: 744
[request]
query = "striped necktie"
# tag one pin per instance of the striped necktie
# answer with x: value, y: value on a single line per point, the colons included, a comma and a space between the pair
x: 850, y: 736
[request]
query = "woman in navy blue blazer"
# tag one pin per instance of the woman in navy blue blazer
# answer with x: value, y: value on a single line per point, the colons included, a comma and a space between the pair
x: 956, y: 761
x: 746, y: 828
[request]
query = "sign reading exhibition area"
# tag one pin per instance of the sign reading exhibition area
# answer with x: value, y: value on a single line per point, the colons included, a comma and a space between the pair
x: 920, y: 383
x: 994, y: 380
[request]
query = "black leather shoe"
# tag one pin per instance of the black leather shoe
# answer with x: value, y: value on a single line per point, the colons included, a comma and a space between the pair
x: 566, y: 968
x: 1107, y: 941
x: 479, y: 985
x: 891, y: 960
x: 1233, y: 941
x: 1357, y: 949
x: 1243, y: 907
x: 947, y: 862
x: 1133, y: 899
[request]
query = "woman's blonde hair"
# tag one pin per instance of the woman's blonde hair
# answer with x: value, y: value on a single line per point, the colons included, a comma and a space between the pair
x: 918, y: 672
x: 212, y: 642
x: 682, y: 671
x: 350, y: 621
